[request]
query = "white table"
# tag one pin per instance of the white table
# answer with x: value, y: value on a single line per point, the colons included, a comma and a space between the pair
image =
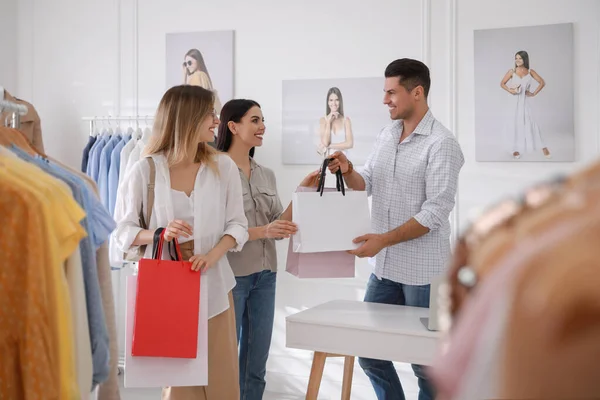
x: 351, y: 329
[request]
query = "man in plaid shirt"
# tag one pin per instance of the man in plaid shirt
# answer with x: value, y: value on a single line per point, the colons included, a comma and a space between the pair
x: 412, y: 177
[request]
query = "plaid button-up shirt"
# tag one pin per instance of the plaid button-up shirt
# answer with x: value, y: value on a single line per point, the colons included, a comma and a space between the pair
x: 416, y: 178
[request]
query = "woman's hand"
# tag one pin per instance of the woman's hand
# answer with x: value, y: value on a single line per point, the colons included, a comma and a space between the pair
x: 515, y: 90
x: 332, y: 116
x: 529, y: 94
x: 176, y: 229
x: 203, y: 261
x: 280, y: 229
x: 311, y: 180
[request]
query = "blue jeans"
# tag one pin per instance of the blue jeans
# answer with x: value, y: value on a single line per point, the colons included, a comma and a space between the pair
x: 254, y: 299
x: 382, y: 374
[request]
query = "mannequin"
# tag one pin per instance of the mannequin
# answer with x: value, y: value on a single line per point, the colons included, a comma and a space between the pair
x: 30, y: 122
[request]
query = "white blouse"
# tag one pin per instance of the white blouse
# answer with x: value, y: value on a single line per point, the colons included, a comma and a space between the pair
x: 184, y: 210
x: 218, y: 211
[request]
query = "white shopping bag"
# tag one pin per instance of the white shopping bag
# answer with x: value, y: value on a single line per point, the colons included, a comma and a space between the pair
x: 146, y: 372
x: 329, y: 222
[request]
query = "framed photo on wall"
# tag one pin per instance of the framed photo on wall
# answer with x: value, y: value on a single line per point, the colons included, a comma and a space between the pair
x: 202, y: 59
x: 322, y: 116
x: 524, y: 94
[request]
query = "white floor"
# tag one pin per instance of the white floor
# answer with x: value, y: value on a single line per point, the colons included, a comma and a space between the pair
x: 282, y: 387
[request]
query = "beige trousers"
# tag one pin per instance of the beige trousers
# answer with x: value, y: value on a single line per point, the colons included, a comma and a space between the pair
x: 223, y: 367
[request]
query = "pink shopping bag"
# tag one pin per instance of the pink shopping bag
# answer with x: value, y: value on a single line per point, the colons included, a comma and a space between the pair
x: 331, y: 264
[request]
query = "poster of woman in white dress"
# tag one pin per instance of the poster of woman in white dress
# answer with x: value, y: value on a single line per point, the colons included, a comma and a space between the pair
x: 524, y: 112
x: 322, y: 116
x: 518, y: 81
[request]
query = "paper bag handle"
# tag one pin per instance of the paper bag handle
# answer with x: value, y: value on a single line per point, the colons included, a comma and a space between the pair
x: 157, y: 246
x: 339, y: 179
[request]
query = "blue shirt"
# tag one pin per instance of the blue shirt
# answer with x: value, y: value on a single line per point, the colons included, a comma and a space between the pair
x: 104, y: 166
x: 99, y: 338
x: 94, y: 158
x: 86, y: 153
x: 113, y: 173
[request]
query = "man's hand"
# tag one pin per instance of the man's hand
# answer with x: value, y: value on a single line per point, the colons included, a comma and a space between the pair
x: 338, y: 161
x: 372, y: 245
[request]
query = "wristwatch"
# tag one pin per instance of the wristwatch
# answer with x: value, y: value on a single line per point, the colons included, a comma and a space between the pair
x: 350, y: 168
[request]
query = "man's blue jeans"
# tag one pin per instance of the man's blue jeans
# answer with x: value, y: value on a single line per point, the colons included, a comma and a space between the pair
x: 382, y: 374
x: 254, y: 299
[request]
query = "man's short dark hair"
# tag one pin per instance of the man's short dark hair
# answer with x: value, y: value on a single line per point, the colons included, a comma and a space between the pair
x: 411, y: 73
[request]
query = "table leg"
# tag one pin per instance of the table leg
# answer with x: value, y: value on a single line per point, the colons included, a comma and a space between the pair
x: 316, y: 373
x: 348, y: 372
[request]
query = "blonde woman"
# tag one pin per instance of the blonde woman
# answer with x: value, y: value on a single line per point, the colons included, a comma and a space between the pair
x: 195, y: 73
x: 198, y: 199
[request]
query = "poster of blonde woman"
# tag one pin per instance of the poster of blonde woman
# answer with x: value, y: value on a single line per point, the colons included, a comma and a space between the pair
x: 322, y: 116
x: 202, y: 59
x: 524, y: 100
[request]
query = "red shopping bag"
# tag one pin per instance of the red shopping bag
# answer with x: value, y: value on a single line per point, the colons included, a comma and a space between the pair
x: 166, y: 307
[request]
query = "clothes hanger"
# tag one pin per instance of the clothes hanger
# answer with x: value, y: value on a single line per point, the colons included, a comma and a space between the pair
x: 130, y: 130
x: 107, y: 128
x: 147, y: 131
x: 138, y: 129
x: 118, y: 131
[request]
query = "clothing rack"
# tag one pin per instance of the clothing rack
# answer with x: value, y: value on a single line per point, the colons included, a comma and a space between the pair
x: 18, y: 110
x: 93, y: 121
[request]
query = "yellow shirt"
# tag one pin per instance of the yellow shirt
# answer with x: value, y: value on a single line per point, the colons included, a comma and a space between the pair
x: 54, y: 237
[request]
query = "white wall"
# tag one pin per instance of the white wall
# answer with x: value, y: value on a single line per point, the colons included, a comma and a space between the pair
x: 83, y: 58
x: 8, y: 45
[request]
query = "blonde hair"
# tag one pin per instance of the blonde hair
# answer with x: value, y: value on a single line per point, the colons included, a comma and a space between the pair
x: 179, y: 116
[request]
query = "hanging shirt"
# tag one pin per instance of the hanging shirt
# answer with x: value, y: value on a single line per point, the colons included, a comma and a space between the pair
x: 58, y: 235
x: 86, y: 153
x: 97, y: 323
x: 94, y: 158
x: 104, y: 166
x: 125, y: 153
x: 113, y: 173
x: 34, y: 375
x: 135, y: 155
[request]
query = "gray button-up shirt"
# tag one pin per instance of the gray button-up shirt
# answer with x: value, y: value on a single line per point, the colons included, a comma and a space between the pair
x: 416, y: 178
x: 262, y: 206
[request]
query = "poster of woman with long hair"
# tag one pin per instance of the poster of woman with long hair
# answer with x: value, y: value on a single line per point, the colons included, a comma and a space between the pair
x: 322, y: 116
x: 202, y: 59
x: 524, y: 94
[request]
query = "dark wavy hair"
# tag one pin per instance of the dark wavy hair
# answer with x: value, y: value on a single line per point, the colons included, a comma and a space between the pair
x: 234, y: 110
